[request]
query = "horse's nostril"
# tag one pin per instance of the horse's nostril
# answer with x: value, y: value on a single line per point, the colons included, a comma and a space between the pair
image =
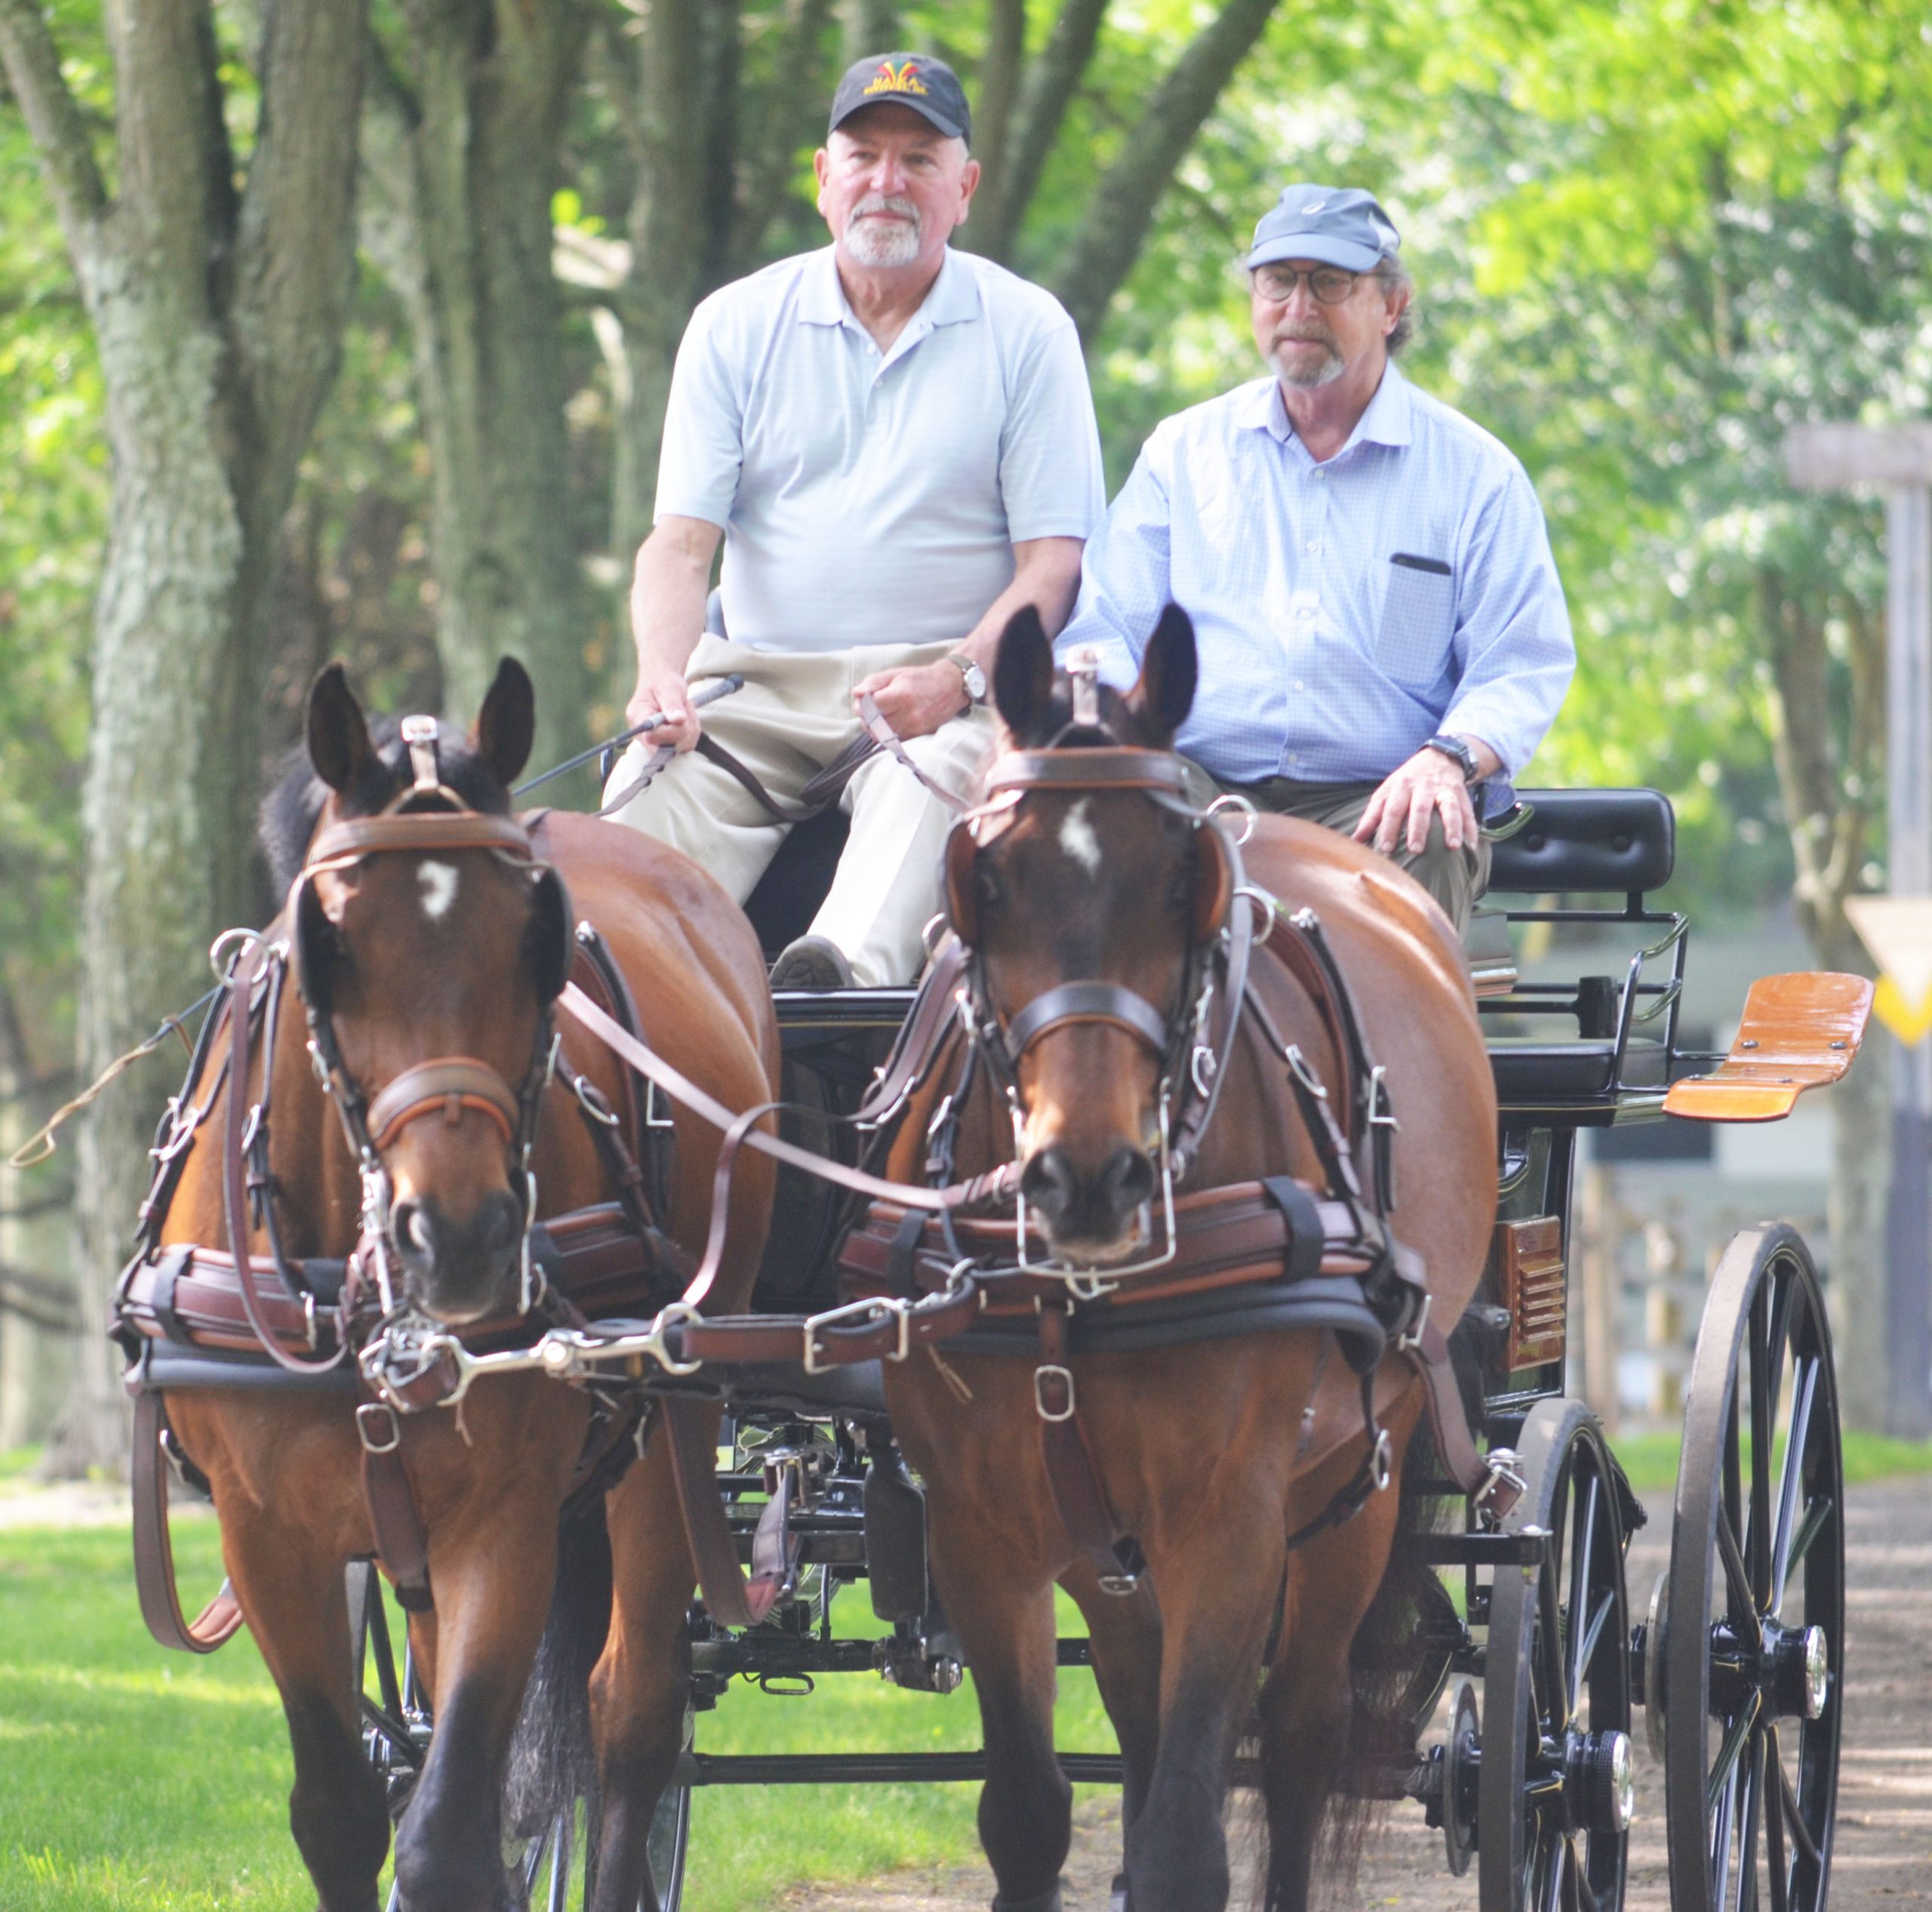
x: 414, y: 1233
x: 1130, y: 1178
x: 499, y: 1223
x: 1047, y: 1182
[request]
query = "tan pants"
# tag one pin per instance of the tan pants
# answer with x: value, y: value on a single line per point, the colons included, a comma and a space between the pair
x: 1456, y: 878
x: 793, y: 717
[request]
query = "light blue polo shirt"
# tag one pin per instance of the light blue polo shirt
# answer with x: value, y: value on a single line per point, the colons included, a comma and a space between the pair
x: 872, y: 498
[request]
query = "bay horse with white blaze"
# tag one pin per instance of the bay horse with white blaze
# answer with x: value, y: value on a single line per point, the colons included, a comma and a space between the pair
x: 1094, y: 902
x: 430, y: 934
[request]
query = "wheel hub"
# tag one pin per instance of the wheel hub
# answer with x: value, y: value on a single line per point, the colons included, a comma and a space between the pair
x: 1601, y: 1781
x: 1800, y: 1663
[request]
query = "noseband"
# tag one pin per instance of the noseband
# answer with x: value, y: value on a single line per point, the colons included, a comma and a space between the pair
x: 1188, y: 1039
x: 426, y: 819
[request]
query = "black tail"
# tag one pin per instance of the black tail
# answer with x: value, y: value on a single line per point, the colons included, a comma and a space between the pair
x: 551, y: 1760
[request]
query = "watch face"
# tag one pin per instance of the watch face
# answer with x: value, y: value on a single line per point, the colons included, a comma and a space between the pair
x: 976, y: 683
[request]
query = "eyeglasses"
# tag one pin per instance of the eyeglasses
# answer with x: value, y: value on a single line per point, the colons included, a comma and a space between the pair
x: 1329, y: 284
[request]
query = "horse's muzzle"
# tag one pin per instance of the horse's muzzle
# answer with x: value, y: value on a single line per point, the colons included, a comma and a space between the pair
x: 461, y: 1271
x: 1089, y: 1215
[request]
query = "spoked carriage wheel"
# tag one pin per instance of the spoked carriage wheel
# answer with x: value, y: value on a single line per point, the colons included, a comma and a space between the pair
x: 395, y: 1737
x: 1751, y: 1659
x: 1554, y: 1795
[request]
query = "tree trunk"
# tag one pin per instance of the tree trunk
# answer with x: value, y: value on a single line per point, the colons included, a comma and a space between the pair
x: 461, y: 161
x: 167, y: 815
x: 218, y: 315
x: 33, y: 1359
x: 1122, y: 208
x: 1818, y: 769
x: 870, y: 27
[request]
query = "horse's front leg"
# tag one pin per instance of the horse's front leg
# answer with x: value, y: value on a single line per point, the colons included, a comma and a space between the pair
x: 1308, y: 1702
x: 1124, y: 1633
x: 284, y: 1556
x: 492, y: 1560
x: 641, y: 1686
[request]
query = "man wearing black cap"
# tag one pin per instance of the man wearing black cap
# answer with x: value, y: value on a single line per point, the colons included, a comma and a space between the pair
x: 1383, y: 640
x: 896, y: 443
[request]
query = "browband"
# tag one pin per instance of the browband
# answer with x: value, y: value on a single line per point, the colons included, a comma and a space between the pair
x: 356, y: 837
x: 1122, y: 769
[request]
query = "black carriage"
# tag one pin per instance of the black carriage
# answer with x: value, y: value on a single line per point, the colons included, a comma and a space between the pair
x: 1735, y: 1658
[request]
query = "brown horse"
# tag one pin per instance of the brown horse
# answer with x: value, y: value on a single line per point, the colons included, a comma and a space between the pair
x: 412, y: 959
x: 1212, y: 1453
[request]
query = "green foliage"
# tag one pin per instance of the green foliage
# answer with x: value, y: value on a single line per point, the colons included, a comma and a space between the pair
x: 53, y: 485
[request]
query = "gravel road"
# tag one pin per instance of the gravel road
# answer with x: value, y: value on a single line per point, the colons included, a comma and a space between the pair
x: 1883, y: 1857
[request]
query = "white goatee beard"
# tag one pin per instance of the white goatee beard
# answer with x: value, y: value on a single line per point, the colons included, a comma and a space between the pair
x: 882, y: 242
x: 1331, y: 367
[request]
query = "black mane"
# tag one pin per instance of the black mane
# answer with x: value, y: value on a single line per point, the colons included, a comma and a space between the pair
x: 294, y: 805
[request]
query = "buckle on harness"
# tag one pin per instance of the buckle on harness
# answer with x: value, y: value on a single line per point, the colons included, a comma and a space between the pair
x: 867, y: 1313
x: 1052, y: 1391
x: 370, y: 1417
x: 1411, y: 1336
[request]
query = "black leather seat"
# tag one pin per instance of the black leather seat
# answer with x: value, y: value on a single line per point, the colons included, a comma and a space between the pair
x: 1587, y: 840
x: 1542, y: 1075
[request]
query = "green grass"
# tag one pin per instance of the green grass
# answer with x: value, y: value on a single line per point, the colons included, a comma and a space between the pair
x: 17, y: 1463
x: 1651, y: 1459
x: 133, y: 1780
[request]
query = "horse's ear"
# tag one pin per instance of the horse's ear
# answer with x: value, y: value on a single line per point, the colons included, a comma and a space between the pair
x: 1169, y: 673
x: 1024, y: 672
x: 506, y: 725
x: 338, y: 737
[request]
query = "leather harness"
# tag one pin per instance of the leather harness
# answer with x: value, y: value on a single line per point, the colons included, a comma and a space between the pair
x: 924, y: 1266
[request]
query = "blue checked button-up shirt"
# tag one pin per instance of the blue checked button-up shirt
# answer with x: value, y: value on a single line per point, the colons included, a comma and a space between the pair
x: 1345, y: 612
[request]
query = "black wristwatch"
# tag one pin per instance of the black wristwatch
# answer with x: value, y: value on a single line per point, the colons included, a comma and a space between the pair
x: 1456, y: 748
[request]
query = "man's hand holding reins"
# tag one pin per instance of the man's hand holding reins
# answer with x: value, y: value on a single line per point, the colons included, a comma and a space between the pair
x: 1428, y: 786
x: 917, y: 699
x: 667, y: 618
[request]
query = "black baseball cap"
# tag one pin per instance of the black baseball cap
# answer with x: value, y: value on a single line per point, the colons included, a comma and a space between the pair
x: 930, y: 86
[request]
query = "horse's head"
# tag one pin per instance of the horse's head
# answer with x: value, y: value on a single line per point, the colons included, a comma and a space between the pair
x: 429, y: 946
x: 1089, y: 892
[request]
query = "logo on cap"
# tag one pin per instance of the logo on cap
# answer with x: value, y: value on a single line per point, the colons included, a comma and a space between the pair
x: 890, y: 79
x: 1313, y: 207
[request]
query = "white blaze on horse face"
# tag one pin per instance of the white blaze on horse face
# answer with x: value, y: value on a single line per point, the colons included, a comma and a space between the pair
x: 438, y: 882
x: 1077, y: 839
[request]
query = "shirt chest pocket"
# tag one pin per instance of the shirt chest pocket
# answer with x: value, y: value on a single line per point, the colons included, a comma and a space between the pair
x: 1413, y: 640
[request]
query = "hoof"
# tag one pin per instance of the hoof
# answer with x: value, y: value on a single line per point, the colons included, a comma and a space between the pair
x: 1047, y: 1901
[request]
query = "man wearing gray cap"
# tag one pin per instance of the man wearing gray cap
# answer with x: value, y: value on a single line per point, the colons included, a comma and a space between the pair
x: 896, y: 442
x: 1382, y: 638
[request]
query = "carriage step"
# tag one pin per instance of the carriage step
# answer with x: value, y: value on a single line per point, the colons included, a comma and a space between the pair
x: 1523, y: 1549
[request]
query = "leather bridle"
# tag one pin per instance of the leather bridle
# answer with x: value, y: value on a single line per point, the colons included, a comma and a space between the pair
x: 429, y: 818
x: 1188, y: 1039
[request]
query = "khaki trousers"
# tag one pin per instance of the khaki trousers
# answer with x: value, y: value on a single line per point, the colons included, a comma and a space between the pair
x: 1456, y: 878
x: 793, y: 717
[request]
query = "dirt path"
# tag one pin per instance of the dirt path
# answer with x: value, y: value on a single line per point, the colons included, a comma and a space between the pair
x: 1883, y: 1857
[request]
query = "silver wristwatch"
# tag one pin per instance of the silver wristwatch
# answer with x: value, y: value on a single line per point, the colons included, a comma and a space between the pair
x: 973, y: 677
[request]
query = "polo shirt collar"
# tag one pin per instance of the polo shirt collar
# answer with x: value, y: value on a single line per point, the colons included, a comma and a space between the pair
x: 952, y: 300
x: 1386, y: 422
